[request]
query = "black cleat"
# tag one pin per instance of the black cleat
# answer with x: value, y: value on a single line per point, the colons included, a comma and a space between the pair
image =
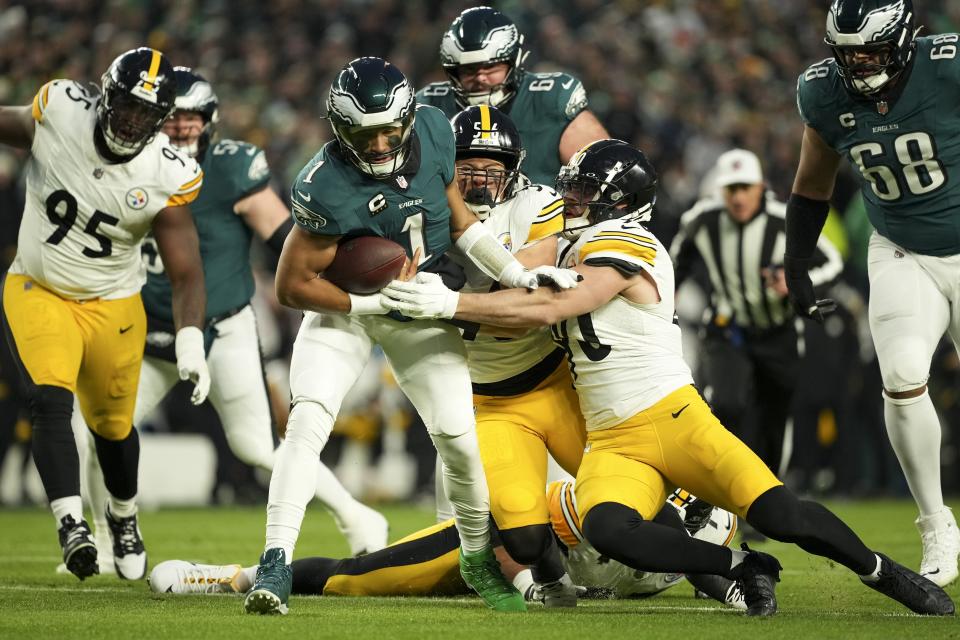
x: 757, y: 576
x: 910, y: 589
x: 79, y: 549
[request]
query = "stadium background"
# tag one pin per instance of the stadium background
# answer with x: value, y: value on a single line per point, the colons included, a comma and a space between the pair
x: 683, y: 79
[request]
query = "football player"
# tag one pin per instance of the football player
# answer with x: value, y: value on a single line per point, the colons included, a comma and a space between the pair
x: 389, y: 172
x: 482, y: 53
x: 425, y: 564
x: 236, y: 202
x: 99, y: 179
x: 646, y: 424
x: 885, y: 99
x: 524, y: 402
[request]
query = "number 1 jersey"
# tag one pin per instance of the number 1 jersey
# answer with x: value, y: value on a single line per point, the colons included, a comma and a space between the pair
x: 906, y: 151
x: 84, y: 218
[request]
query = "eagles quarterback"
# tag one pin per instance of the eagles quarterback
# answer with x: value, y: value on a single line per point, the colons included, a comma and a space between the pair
x: 647, y: 426
x: 482, y: 53
x: 99, y: 178
x: 236, y: 202
x: 389, y: 172
x: 524, y: 401
x: 887, y: 100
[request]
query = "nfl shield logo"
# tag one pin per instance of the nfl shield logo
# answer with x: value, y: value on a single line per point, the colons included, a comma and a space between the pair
x: 883, y: 107
x: 402, y: 182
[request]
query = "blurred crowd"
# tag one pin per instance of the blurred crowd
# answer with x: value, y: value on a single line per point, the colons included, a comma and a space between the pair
x: 683, y: 79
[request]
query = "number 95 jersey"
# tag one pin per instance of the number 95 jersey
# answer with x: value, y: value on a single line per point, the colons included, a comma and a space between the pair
x: 84, y: 218
x: 906, y: 148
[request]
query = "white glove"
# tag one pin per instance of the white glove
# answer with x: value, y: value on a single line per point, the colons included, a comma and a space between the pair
x: 425, y: 297
x: 559, y: 278
x: 192, y: 362
x: 514, y: 276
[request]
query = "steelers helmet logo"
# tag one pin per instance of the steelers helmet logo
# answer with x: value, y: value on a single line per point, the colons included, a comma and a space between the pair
x: 137, y: 198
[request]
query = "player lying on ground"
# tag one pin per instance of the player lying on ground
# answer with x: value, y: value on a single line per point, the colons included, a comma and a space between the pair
x: 425, y: 563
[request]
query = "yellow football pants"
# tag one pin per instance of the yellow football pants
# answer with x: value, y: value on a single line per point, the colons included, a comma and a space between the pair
x: 92, y: 348
x: 677, y: 441
x: 515, y: 433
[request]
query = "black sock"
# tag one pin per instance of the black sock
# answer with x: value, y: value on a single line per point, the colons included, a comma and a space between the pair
x: 620, y: 533
x: 534, y: 546
x: 120, y: 460
x: 310, y: 575
x: 780, y: 515
x: 54, y: 448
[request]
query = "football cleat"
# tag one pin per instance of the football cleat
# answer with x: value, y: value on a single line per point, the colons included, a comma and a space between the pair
x: 129, y: 556
x: 79, y: 549
x: 757, y: 576
x: 273, y: 584
x: 179, y: 576
x: 941, y: 546
x: 366, y: 531
x: 910, y: 589
x: 104, y: 554
x: 559, y: 593
x: 481, y: 572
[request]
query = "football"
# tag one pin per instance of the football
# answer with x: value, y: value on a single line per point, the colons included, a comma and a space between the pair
x: 365, y: 264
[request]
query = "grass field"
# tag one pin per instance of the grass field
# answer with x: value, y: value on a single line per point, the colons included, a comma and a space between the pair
x: 817, y: 598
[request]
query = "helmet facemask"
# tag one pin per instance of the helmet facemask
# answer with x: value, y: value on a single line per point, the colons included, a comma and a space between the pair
x: 128, y: 123
x: 589, y: 200
x: 358, y: 142
x: 485, y: 184
x: 194, y: 95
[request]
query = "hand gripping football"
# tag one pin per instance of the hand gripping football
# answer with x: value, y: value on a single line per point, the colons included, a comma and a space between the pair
x: 365, y: 264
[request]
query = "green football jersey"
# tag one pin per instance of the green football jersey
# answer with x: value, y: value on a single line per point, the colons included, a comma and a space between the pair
x: 333, y: 197
x: 907, y: 151
x: 232, y: 170
x: 543, y: 106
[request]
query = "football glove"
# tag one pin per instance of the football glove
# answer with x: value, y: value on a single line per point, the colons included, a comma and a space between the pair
x: 425, y: 297
x: 192, y: 362
x: 800, y: 290
x: 558, y: 278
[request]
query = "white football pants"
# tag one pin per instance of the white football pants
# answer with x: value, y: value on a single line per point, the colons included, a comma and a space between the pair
x: 429, y: 362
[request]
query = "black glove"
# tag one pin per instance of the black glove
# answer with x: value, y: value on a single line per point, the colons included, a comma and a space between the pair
x: 800, y: 289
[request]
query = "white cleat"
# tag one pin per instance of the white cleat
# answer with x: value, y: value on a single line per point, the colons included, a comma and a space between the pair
x: 559, y: 593
x: 129, y: 555
x: 941, y: 546
x: 180, y: 576
x: 366, y: 531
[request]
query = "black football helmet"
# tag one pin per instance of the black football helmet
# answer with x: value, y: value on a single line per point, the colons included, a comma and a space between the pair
x: 882, y: 27
x: 604, y: 180
x: 483, y: 35
x: 138, y: 92
x: 486, y: 132
x: 371, y: 95
x: 195, y: 94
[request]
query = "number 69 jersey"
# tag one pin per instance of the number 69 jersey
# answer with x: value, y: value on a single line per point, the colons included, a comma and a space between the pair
x: 624, y: 356
x: 84, y: 218
x: 906, y: 148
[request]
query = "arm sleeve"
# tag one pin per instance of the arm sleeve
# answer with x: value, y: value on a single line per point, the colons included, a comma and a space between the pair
x: 827, y: 264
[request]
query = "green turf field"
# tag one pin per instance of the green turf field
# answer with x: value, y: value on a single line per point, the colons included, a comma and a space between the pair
x: 817, y: 599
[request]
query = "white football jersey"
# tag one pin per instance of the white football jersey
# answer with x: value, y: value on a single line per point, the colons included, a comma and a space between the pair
x: 588, y: 568
x: 625, y: 357
x: 84, y: 218
x: 534, y: 213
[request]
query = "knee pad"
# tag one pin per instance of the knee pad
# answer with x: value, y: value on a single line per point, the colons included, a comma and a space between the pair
x: 451, y: 424
x: 51, y: 408
x: 526, y: 545
x: 777, y: 514
x: 606, y: 525
x: 905, y: 371
x: 903, y: 402
x: 310, y: 425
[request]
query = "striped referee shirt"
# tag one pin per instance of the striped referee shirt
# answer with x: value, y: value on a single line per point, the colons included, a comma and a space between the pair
x: 735, y: 255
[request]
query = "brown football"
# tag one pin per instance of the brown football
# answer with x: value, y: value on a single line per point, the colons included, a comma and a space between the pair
x: 365, y: 264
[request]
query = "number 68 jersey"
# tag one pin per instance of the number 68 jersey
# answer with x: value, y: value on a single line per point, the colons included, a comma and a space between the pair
x: 906, y: 148
x: 624, y: 356
x: 84, y: 218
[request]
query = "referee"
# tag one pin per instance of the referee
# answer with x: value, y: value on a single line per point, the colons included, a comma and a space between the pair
x: 752, y: 342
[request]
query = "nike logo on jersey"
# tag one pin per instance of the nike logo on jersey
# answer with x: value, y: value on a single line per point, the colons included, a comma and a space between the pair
x: 304, y: 196
x: 125, y: 329
x: 567, y: 84
x: 676, y: 414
